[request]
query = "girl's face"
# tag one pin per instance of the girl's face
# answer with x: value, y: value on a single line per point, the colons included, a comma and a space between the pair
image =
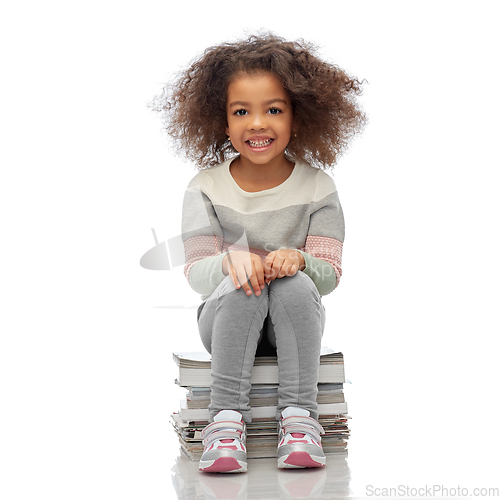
x: 259, y: 118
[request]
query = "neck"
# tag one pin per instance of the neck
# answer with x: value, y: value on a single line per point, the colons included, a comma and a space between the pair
x: 254, y: 171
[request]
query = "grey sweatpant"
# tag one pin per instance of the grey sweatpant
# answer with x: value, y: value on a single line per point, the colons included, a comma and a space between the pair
x: 231, y: 326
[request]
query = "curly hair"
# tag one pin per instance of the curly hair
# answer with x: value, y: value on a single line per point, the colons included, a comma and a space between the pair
x: 326, y: 114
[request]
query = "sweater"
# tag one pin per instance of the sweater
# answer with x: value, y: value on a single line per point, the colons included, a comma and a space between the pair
x: 302, y: 213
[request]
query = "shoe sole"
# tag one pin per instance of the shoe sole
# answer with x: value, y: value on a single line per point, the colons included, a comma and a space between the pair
x: 300, y: 460
x: 223, y: 464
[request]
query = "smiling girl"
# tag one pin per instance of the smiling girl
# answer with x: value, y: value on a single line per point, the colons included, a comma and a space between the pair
x: 262, y: 227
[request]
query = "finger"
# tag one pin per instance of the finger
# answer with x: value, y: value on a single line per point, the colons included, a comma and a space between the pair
x: 243, y: 279
x: 251, y: 272
x: 259, y: 272
x: 291, y: 270
x: 228, y: 261
x: 269, y: 275
x: 254, y: 283
x: 247, y: 289
x: 236, y: 273
x: 277, y: 266
x: 283, y: 271
x: 268, y: 264
x: 273, y: 275
x: 234, y: 277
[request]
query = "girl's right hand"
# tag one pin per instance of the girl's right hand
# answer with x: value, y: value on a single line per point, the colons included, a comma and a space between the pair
x: 246, y: 271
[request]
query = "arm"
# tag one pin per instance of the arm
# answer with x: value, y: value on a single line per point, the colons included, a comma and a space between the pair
x: 323, y: 248
x: 324, y: 274
x: 203, y: 239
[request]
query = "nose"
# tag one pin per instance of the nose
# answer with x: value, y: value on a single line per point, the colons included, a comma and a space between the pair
x: 258, y: 122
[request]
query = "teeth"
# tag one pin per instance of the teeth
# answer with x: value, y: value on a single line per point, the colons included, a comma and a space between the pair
x: 260, y: 144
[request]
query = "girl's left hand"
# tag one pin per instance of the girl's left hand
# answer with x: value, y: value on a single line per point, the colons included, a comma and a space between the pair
x: 281, y: 263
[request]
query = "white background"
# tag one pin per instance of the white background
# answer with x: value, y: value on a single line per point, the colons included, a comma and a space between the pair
x: 87, y: 334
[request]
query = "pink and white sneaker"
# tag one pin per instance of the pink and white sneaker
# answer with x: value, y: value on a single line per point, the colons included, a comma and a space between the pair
x: 299, y: 440
x: 224, y: 442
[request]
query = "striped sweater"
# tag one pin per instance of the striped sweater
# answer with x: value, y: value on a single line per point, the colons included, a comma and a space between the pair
x: 303, y: 212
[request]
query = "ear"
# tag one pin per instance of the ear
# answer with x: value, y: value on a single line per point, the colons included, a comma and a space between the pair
x: 227, y: 131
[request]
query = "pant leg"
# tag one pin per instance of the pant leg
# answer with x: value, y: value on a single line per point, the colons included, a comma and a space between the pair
x: 298, y: 319
x: 230, y: 325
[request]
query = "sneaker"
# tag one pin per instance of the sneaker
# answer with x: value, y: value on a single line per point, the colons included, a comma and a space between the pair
x: 299, y: 440
x: 224, y: 442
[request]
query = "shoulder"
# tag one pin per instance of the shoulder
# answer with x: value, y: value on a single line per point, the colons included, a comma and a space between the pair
x: 315, y: 180
x: 210, y: 179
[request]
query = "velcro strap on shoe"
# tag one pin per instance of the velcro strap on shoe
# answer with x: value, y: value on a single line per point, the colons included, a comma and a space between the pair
x: 226, y: 424
x: 303, y: 429
x: 304, y: 422
x: 222, y: 434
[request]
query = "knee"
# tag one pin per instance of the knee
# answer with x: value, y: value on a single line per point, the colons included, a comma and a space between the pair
x: 227, y: 299
x: 298, y: 282
x: 226, y: 292
x: 299, y: 286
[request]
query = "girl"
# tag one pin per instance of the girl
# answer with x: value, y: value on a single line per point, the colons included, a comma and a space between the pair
x: 262, y: 227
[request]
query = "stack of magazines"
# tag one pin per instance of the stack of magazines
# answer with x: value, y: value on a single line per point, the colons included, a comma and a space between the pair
x: 262, y: 432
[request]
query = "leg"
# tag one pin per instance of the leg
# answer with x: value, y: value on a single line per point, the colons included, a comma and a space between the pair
x: 230, y: 325
x: 298, y: 321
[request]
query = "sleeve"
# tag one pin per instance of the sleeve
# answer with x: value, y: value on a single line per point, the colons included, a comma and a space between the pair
x: 203, y: 239
x: 323, y: 247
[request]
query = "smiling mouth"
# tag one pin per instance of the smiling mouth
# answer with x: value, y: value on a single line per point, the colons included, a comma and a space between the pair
x: 259, y: 144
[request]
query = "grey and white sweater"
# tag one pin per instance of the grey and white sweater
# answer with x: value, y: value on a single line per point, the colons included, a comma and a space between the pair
x: 303, y: 212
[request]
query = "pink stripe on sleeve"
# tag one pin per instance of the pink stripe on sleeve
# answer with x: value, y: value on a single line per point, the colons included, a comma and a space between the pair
x: 200, y: 247
x: 327, y: 249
